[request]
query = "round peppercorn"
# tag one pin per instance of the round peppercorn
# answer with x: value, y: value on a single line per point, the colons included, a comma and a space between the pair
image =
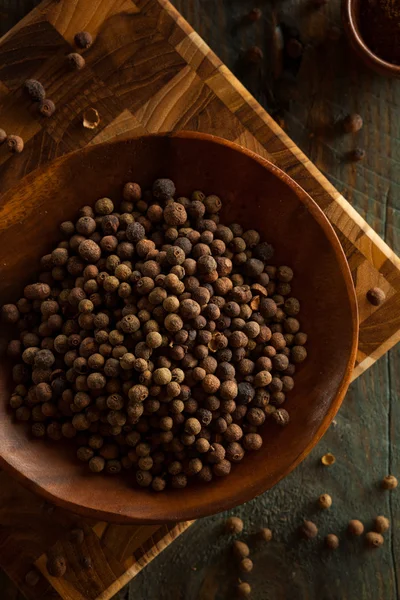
x: 56, y: 565
x: 298, y: 354
x: 83, y: 39
x: 308, y: 530
x: 374, y: 540
x: 389, y: 482
x: 246, y: 565
x: 252, y: 441
x: 325, y: 501
x: 234, y: 525
x: 381, y: 524
x: 355, y: 527
x: 332, y: 541
x: 376, y: 296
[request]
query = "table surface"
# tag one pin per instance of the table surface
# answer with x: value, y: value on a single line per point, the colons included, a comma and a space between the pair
x: 308, y: 98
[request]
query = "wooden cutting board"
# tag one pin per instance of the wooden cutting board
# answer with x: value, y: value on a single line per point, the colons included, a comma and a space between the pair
x: 147, y: 71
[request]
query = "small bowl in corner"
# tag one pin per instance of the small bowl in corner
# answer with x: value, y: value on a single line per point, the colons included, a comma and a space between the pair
x: 350, y: 17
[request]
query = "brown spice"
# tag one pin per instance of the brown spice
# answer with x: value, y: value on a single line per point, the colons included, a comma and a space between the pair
x: 234, y: 525
x: 389, y: 482
x: 355, y: 527
x: 35, y: 90
x: 76, y: 61
x: 332, y: 541
x: 57, y: 565
x: 376, y: 296
x: 308, y: 530
x: 328, y: 459
x: 265, y: 534
x: 47, y: 107
x: 325, y: 501
x: 83, y: 39
x: 374, y: 540
x: 381, y: 524
x: 91, y: 118
x: 15, y: 144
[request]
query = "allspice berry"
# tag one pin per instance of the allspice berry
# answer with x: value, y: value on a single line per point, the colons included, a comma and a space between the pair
x: 56, y: 565
x: 355, y: 527
x: 389, y: 482
x: 246, y: 565
x: 32, y: 578
x: 234, y: 525
x: 76, y: 62
x: 243, y: 589
x: 324, y: 501
x: 3, y: 136
x: 47, y: 108
x: 381, y: 524
x: 35, y: 90
x: 15, y: 144
x: 83, y: 39
x: 374, y: 540
x: 352, y: 123
x: 332, y: 541
x: 240, y: 549
x: 265, y: 534
x: 308, y: 530
x: 376, y: 296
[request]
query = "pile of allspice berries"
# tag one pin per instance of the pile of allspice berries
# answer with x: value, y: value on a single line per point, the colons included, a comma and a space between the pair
x: 157, y: 338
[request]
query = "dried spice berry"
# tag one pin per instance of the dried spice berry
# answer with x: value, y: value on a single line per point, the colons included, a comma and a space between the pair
x: 15, y: 144
x: 47, y: 107
x: 357, y: 154
x: 352, y: 123
x: 240, y: 549
x: 355, y: 527
x: 381, y: 524
x: 246, y: 565
x: 325, y: 501
x: 243, y: 589
x: 374, y: 540
x: 83, y: 39
x: 32, y: 578
x: 76, y: 62
x: 3, y: 136
x: 389, y: 482
x: 332, y: 541
x: 56, y: 565
x: 308, y: 530
x: 265, y: 534
x: 234, y: 525
x: 35, y: 90
x: 376, y: 296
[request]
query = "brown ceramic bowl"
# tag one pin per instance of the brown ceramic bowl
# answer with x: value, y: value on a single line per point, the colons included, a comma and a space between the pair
x: 350, y: 17
x: 256, y: 194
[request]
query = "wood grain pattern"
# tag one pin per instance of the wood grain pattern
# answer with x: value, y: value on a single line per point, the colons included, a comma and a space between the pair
x: 370, y: 259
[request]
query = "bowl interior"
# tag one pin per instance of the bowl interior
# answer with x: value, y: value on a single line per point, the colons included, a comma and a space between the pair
x: 254, y: 193
x: 351, y: 19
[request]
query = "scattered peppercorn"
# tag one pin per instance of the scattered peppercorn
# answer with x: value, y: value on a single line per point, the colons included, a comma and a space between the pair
x: 56, y: 565
x: 254, y: 55
x: 357, y: 154
x: 308, y: 530
x: 47, y: 107
x: 352, y: 123
x: 83, y: 39
x: 246, y: 565
x: 234, y: 525
x: 325, y: 501
x: 35, y: 90
x: 355, y: 527
x: 240, y: 549
x: 142, y: 339
x: 381, y: 524
x: 332, y: 541
x: 265, y: 534
x: 389, y: 482
x: 374, y: 540
x: 376, y: 296
x: 76, y: 61
x: 243, y: 589
x: 15, y: 144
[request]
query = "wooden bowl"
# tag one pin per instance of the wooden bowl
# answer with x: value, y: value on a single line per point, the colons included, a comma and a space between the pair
x: 256, y: 194
x: 350, y: 17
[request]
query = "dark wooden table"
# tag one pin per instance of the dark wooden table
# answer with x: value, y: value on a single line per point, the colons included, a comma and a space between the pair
x: 308, y: 97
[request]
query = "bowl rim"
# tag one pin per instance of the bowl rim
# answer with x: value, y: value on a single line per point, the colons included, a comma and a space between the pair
x: 128, y: 516
x: 365, y: 53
